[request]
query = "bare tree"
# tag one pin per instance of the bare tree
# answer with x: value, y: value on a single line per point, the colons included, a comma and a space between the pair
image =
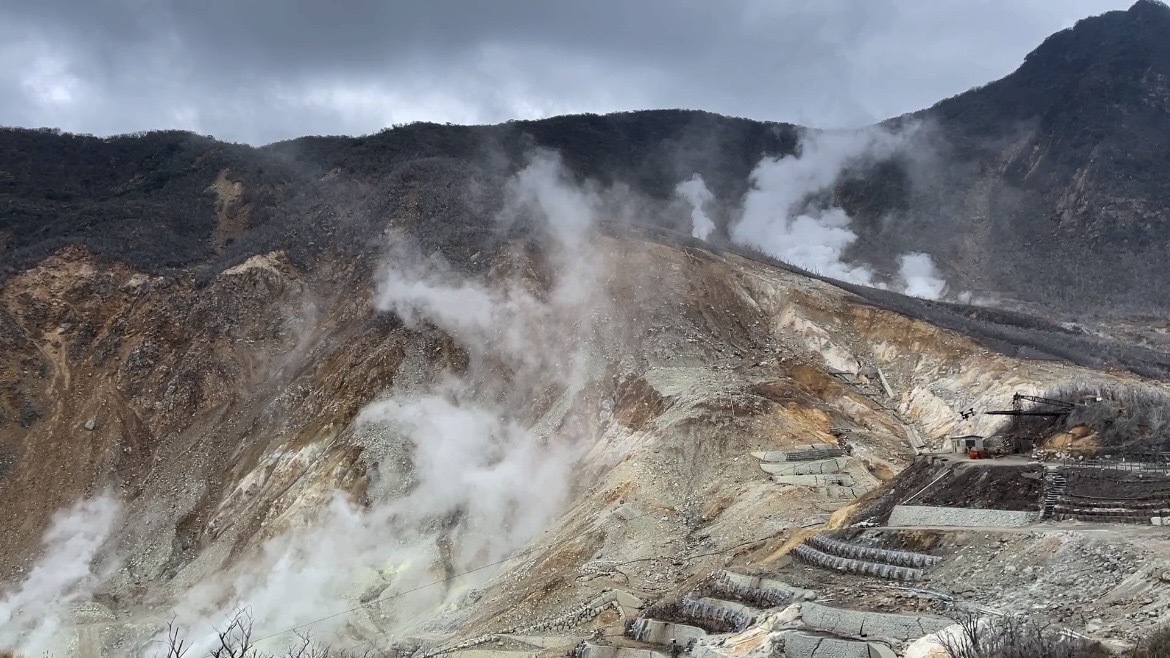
x: 1156, y: 645
x: 1011, y: 636
x: 177, y: 647
x: 972, y: 638
x: 236, y: 641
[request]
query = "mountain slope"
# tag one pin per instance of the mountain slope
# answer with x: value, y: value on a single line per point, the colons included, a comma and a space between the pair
x: 439, y: 392
x: 1055, y: 181
x: 165, y: 201
x: 224, y: 418
x: 1049, y: 186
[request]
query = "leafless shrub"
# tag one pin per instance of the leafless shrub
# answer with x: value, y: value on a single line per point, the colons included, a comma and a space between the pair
x: 177, y: 647
x: 1013, y: 637
x: 1157, y: 645
x: 236, y: 641
x: 1132, y: 420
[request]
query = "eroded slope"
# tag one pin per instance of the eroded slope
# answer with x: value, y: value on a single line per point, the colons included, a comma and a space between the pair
x: 224, y: 418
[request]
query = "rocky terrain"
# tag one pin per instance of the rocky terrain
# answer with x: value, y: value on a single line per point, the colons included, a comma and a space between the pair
x: 225, y: 429
x: 466, y: 391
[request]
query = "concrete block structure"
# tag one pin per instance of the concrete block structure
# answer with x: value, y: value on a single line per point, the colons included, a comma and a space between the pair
x: 962, y: 517
x: 737, y: 615
x: 812, y: 452
x: 653, y: 631
x: 863, y: 623
x: 764, y: 590
x: 815, y: 467
x: 812, y: 556
x: 872, y: 553
x: 839, y: 555
x: 800, y: 644
x: 587, y: 649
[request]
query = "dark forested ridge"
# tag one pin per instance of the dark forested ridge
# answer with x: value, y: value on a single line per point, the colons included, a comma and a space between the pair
x: 149, y: 200
x: 142, y: 199
x: 1051, y: 185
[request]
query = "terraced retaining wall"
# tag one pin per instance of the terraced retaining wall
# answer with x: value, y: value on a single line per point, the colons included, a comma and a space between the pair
x: 808, y: 645
x: 817, y: 558
x: 762, y: 591
x: 871, y: 553
x: 841, y: 621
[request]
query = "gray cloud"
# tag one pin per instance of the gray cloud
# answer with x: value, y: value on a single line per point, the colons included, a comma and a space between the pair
x: 265, y: 70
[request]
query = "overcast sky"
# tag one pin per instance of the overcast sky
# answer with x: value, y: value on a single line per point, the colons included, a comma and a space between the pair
x: 263, y: 70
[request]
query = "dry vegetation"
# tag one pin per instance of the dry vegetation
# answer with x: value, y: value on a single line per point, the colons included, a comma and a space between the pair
x: 1154, y: 646
x: 1018, y: 637
x: 1126, y: 420
x: 978, y: 637
x: 237, y: 640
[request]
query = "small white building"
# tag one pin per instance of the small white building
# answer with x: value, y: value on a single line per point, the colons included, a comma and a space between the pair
x: 965, y: 444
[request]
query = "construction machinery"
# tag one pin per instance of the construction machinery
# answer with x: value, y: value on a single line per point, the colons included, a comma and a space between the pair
x: 1045, y: 407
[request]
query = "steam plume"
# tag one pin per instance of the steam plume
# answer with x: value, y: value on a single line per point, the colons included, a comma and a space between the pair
x: 786, y: 216
x: 696, y: 193
x: 919, y: 277
x: 782, y: 216
x: 465, y: 474
x: 32, y: 615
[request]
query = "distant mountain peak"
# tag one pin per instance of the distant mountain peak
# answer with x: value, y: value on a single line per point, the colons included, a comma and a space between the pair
x: 1110, y: 60
x: 1151, y: 5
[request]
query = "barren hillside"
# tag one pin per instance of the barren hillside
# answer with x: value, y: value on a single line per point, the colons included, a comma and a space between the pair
x: 223, y: 419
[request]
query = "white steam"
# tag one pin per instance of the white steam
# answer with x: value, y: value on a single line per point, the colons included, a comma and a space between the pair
x: 472, y: 459
x: 31, y: 616
x: 465, y: 474
x: 918, y: 276
x: 472, y: 452
x: 480, y: 485
x: 787, y: 213
x: 782, y: 216
x: 696, y: 193
x: 543, y: 188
